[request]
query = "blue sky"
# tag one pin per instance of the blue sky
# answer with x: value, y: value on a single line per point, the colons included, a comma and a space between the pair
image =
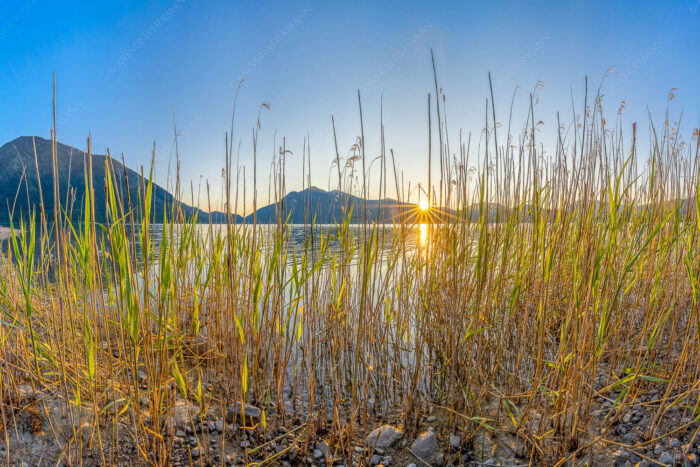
x: 123, y: 68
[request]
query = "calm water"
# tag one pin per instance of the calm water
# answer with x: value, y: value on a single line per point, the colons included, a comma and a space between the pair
x: 299, y: 236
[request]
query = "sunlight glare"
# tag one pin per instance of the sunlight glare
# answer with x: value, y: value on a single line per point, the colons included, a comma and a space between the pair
x: 423, y: 237
x: 423, y: 205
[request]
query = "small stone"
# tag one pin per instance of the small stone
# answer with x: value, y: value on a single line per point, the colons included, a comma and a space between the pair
x: 245, y: 443
x: 292, y: 454
x: 431, y: 419
x: 195, y: 453
x: 490, y: 462
x: 236, y: 410
x: 219, y: 426
x: 674, y: 443
x: 387, y: 460
x: 180, y: 434
x: 375, y: 460
x: 455, y: 442
x: 228, y: 459
x: 426, y: 447
x: 667, y: 458
x: 384, y: 437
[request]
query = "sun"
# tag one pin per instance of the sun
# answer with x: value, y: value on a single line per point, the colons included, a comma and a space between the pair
x: 424, y: 205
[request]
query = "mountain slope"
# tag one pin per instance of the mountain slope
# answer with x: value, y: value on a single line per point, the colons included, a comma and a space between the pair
x: 19, y: 194
x: 328, y: 207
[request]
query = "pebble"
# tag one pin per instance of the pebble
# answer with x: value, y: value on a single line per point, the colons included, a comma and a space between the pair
x: 384, y: 437
x: 235, y: 411
x: 426, y: 447
x: 195, y: 453
x: 455, y: 442
x: 667, y: 458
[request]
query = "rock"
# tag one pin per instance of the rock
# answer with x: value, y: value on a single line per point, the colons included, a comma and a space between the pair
x: 195, y: 453
x: 490, y: 462
x: 426, y: 447
x: 180, y: 414
x: 375, y: 460
x: 384, y: 437
x: 219, y: 426
x: 292, y: 454
x: 317, y: 454
x: 323, y: 447
x: 245, y: 443
x: 674, y: 442
x: 411, y: 465
x: 387, y: 460
x: 667, y: 458
x: 455, y: 442
x: 236, y: 412
x: 180, y: 434
x: 431, y: 419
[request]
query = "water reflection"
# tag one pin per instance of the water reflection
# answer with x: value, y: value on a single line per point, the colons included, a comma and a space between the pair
x: 423, y: 235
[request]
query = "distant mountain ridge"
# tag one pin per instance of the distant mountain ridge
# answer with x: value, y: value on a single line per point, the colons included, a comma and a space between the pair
x: 328, y: 207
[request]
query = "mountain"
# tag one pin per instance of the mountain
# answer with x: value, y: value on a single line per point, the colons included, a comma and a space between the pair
x: 17, y: 158
x: 328, y: 207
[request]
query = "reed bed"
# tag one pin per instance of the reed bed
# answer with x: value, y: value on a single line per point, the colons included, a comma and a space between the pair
x: 556, y: 290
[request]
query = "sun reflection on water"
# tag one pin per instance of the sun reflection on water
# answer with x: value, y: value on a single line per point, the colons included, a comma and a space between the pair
x: 423, y: 237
